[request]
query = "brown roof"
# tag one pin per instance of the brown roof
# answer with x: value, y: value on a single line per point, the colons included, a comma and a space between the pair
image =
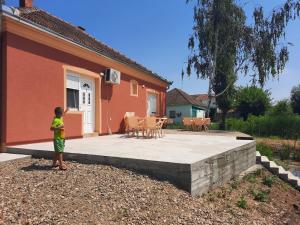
x: 179, y: 97
x: 200, y: 97
x: 55, y: 25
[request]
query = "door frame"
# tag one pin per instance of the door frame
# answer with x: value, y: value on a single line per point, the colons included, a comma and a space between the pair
x: 151, y: 91
x: 93, y: 102
x: 97, y: 78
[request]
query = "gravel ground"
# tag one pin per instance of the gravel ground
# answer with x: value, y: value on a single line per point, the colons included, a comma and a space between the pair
x: 33, y: 193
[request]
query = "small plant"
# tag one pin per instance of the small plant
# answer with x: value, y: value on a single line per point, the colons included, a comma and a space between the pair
x: 242, y: 203
x: 222, y: 193
x: 269, y: 180
x: 265, y: 150
x: 261, y: 196
x: 211, y: 196
x: 258, y: 172
x: 235, y: 184
x: 251, y: 177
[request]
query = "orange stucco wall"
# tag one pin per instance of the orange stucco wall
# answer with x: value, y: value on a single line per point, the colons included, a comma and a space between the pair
x: 35, y: 86
x: 116, y: 101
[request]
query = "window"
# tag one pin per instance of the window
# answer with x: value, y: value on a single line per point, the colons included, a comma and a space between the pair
x: 72, y: 91
x: 72, y: 98
x: 133, y: 88
x: 172, y: 114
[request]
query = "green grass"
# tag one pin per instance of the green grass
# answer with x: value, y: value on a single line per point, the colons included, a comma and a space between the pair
x: 265, y: 150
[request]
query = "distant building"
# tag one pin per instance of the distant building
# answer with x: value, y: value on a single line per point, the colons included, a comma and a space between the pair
x: 180, y: 104
x: 204, y: 100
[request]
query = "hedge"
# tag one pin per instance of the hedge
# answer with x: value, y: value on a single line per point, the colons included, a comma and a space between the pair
x: 287, y: 126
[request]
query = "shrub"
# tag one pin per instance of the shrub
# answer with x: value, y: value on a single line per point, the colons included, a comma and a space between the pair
x: 242, y: 203
x: 285, y: 152
x: 282, y: 107
x: 295, y: 99
x: 297, y: 156
x: 261, y: 196
x: 252, y: 100
x: 269, y: 180
x: 214, y: 126
x: 282, y: 126
x: 265, y: 150
x: 175, y: 126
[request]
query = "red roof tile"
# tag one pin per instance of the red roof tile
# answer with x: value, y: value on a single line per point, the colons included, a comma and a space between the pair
x: 179, y: 97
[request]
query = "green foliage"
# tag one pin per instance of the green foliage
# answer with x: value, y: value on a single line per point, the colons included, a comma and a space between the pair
x: 220, y: 30
x: 265, y: 126
x: 265, y: 150
x: 297, y: 156
x: 269, y: 180
x: 285, y: 152
x: 261, y: 195
x: 282, y: 108
x: 214, y: 126
x: 242, y: 203
x: 175, y: 126
x: 295, y: 99
x: 252, y: 100
x: 251, y: 177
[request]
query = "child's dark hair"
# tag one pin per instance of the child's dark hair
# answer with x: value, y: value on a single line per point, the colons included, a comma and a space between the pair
x: 58, y: 111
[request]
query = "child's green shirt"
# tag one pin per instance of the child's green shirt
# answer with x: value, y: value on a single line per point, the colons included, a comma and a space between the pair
x: 58, y: 134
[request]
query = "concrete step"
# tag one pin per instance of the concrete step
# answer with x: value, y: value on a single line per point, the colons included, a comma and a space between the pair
x: 264, y: 158
x: 278, y: 170
x: 88, y: 135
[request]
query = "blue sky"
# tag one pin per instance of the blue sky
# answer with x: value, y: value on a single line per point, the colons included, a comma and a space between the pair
x: 155, y: 33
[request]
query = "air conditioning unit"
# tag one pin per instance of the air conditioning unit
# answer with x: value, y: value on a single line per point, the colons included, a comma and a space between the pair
x: 112, y: 76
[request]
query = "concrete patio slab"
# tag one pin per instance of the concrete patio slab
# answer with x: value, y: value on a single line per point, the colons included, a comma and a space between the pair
x: 192, y: 162
x: 5, y: 157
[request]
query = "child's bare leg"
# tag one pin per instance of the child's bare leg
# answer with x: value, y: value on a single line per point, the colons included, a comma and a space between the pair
x: 55, y: 158
x: 62, y: 166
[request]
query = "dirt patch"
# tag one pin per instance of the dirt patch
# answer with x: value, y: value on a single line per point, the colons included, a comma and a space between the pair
x: 276, y: 144
x: 33, y: 193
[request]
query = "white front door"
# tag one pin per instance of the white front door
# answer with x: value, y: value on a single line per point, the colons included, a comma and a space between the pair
x: 152, y: 105
x: 87, y: 104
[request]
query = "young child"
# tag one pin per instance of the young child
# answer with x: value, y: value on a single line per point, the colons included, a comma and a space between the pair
x: 59, y: 138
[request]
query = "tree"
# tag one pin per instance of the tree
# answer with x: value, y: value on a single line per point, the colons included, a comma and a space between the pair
x: 252, y: 100
x: 295, y: 99
x: 220, y: 31
x: 282, y: 107
x: 222, y: 80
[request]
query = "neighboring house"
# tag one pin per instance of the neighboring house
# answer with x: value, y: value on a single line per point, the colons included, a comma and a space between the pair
x: 181, y: 104
x: 47, y: 62
x: 204, y: 100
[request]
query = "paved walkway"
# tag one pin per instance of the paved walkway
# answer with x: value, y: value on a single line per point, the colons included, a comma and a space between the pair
x: 5, y: 157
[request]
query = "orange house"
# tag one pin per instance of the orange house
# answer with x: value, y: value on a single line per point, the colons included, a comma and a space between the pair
x: 46, y: 62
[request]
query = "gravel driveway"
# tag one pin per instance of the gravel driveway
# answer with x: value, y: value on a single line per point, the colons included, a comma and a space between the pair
x: 33, y: 193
